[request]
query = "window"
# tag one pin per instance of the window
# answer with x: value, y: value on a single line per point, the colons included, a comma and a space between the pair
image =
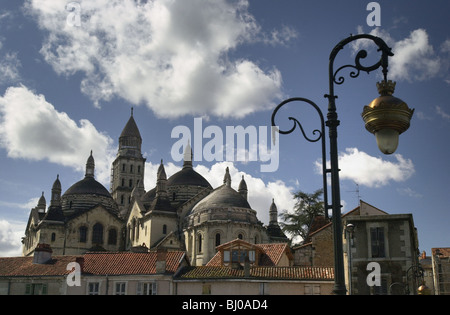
x: 36, y: 289
x: 312, y: 289
x: 93, y: 288
x: 382, y: 289
x: 123, y: 182
x: 199, y: 243
x: 164, y: 229
x: 123, y: 167
x: 206, y: 289
x: 217, y: 239
x: 122, y: 199
x: 139, y: 169
x: 112, y: 237
x: 53, y: 237
x: 120, y: 288
x: 240, y: 236
x: 377, y: 242
x: 226, y: 256
x: 131, y: 168
x: 146, y: 288
x: 130, y: 183
x: 83, y: 234
x: 97, y: 234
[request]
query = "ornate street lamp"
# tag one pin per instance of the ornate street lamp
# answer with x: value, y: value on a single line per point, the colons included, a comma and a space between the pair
x: 386, y: 117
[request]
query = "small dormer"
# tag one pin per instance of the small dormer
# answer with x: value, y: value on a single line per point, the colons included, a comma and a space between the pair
x: 237, y: 251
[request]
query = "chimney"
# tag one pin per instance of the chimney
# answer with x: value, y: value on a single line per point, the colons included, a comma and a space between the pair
x: 42, y: 254
x: 80, y: 261
x: 161, y: 255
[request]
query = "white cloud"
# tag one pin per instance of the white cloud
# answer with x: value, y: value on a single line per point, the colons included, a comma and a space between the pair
x: 414, y: 57
x: 43, y: 133
x: 9, y: 68
x: 442, y: 113
x: 372, y: 171
x: 10, y: 236
x: 260, y: 194
x: 170, y: 55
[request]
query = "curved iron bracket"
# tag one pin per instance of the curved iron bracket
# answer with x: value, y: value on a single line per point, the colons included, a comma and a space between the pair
x: 321, y: 136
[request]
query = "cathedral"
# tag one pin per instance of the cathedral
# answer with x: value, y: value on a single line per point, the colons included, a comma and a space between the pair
x: 182, y: 212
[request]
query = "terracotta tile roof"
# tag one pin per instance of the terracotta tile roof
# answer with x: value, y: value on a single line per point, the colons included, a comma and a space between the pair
x: 274, y: 273
x: 95, y: 263
x: 443, y: 251
x: 23, y: 266
x: 273, y: 253
x: 127, y: 263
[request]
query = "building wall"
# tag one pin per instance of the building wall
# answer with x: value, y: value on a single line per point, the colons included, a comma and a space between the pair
x: 399, y: 255
x: 73, y: 245
x: 253, y: 287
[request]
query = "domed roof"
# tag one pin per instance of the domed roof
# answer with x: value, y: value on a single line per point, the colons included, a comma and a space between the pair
x: 222, y: 197
x: 89, y: 186
x: 187, y: 176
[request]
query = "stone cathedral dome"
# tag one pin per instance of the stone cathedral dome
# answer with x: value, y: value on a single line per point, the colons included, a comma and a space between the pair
x: 86, y: 194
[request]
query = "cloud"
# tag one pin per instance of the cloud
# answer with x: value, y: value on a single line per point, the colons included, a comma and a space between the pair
x: 442, y: 113
x: 409, y: 192
x: 43, y: 133
x: 260, y: 194
x: 414, y: 57
x: 10, y: 236
x: 9, y: 68
x: 372, y: 171
x: 172, y: 56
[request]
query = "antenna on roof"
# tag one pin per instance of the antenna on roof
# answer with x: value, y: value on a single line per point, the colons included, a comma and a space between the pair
x: 358, y: 195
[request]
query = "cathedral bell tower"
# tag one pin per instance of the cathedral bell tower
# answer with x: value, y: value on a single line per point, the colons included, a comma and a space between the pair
x: 127, y: 171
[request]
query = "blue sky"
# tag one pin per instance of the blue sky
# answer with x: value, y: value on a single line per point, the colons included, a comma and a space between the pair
x: 67, y: 87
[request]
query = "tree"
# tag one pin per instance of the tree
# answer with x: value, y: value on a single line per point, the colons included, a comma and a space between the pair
x: 307, y: 207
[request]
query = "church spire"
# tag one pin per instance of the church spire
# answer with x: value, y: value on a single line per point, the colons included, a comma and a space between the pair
x: 161, y: 181
x: 90, y: 166
x: 243, y: 188
x: 188, y: 155
x: 273, y: 213
x: 227, y: 177
x: 56, y: 193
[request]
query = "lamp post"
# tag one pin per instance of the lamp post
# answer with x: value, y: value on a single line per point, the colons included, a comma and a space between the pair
x: 349, y: 229
x: 386, y: 117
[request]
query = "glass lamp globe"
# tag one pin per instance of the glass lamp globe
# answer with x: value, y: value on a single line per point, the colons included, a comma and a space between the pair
x: 387, y: 117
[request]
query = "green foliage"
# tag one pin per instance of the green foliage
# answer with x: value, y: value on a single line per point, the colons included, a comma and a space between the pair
x: 307, y: 206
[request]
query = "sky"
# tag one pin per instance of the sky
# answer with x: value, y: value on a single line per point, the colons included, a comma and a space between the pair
x: 70, y: 72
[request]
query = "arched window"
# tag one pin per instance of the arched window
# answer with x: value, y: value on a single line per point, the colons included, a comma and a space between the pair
x: 83, y: 234
x: 53, y: 237
x: 217, y: 239
x: 164, y: 229
x: 240, y: 236
x: 97, y: 234
x: 199, y: 243
x: 112, y: 237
